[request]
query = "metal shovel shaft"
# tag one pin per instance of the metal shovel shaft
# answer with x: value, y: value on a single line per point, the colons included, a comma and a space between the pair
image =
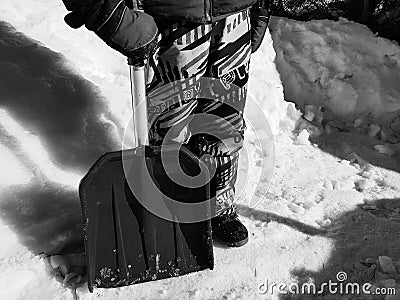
x: 139, y: 104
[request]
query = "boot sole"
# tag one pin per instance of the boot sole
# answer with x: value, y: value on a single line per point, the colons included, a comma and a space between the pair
x: 233, y: 244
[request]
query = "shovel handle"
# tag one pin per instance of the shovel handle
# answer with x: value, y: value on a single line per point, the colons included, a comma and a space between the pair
x: 139, y: 104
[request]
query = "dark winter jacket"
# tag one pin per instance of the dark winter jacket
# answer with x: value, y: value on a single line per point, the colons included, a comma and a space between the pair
x: 193, y: 10
x: 129, y: 26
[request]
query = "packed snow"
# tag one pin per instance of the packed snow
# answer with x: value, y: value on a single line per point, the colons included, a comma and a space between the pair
x: 341, y: 66
x: 329, y: 205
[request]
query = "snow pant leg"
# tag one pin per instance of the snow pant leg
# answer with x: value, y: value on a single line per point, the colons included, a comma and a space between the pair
x: 189, y: 55
x: 173, y: 81
x: 228, y: 63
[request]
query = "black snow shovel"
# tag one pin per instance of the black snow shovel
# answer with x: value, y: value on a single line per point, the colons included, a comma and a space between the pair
x: 136, y: 214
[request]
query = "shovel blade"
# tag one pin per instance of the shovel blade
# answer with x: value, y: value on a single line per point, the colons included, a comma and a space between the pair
x: 126, y: 243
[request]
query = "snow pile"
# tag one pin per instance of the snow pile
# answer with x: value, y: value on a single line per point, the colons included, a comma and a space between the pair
x: 339, y: 66
x: 265, y: 88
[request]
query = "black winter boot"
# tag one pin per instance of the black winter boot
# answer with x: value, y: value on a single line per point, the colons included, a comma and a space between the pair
x: 226, y: 226
x: 228, y: 229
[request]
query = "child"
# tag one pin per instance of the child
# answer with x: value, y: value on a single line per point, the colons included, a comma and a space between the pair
x: 193, y: 39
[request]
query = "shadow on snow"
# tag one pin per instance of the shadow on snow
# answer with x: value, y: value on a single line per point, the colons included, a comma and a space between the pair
x: 48, y: 98
x: 358, y: 234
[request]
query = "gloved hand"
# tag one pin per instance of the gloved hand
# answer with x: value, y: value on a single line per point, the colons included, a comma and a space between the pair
x: 259, y: 19
x: 125, y: 29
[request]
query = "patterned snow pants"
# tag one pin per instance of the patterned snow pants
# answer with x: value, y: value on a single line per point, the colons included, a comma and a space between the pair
x: 197, y: 85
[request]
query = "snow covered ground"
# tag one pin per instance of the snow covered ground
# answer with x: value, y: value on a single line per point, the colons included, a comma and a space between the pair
x: 333, y: 204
